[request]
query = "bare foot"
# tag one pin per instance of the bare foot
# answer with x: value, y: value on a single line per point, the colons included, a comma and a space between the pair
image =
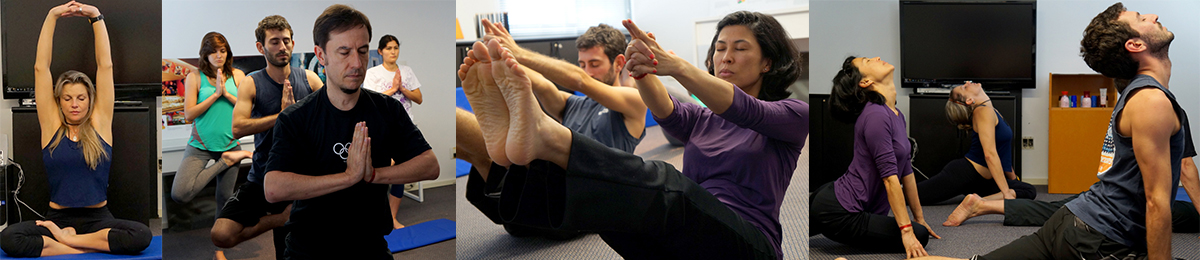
x: 528, y: 125
x: 965, y: 210
x: 219, y: 256
x: 396, y: 224
x: 232, y: 158
x: 486, y: 101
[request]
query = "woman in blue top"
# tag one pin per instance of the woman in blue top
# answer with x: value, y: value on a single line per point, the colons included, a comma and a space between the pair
x: 986, y: 169
x: 76, y: 125
x: 853, y: 209
x: 208, y: 102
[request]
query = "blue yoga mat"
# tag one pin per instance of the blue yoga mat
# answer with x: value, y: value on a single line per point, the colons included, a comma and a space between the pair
x: 1182, y: 195
x: 154, y: 252
x: 419, y: 235
x: 461, y: 168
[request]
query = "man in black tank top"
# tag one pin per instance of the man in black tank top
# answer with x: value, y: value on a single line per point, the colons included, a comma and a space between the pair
x: 332, y: 152
x: 1127, y: 214
x: 261, y: 96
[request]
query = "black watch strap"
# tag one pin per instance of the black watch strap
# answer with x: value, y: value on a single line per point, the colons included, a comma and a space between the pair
x: 96, y: 19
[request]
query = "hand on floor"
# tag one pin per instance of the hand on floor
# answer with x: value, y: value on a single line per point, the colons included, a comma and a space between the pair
x: 931, y: 233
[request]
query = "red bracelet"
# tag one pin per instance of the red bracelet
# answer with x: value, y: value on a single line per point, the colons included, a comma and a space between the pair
x: 373, y: 177
x: 901, y: 227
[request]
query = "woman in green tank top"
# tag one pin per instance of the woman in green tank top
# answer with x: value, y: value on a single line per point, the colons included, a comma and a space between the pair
x: 210, y: 94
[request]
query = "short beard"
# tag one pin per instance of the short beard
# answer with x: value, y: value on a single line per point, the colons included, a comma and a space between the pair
x: 1160, y: 47
x: 609, y: 78
x: 285, y: 62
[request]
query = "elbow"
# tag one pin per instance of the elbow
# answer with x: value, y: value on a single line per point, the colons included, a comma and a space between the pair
x: 271, y: 189
x: 40, y: 67
x: 238, y: 130
x: 434, y: 170
x: 104, y: 64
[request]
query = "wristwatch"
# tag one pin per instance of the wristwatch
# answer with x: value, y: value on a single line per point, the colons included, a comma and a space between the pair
x: 96, y: 19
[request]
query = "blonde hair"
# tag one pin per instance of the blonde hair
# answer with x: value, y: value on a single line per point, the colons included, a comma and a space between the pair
x: 89, y: 141
x: 960, y: 113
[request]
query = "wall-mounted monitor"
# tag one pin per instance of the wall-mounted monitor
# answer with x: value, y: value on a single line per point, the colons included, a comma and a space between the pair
x: 947, y: 43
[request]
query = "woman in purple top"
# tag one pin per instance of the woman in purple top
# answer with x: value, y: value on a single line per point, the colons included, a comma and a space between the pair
x: 853, y: 209
x: 739, y: 158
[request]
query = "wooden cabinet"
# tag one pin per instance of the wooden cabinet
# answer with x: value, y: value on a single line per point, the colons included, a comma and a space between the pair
x: 1076, y: 134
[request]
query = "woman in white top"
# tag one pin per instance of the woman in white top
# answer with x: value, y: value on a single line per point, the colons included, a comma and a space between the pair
x: 392, y: 79
x: 400, y: 83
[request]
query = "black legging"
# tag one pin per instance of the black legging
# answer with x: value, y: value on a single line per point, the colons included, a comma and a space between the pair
x: 1025, y: 212
x: 862, y: 230
x: 959, y: 177
x: 124, y: 237
x: 642, y: 209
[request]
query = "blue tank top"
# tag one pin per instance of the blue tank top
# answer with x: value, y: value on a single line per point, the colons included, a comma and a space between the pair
x: 72, y: 183
x: 586, y: 116
x: 1116, y: 205
x: 266, y: 102
x: 1004, y: 135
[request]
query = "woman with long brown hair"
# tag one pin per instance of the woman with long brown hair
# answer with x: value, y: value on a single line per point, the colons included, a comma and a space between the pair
x: 209, y: 97
x: 76, y: 123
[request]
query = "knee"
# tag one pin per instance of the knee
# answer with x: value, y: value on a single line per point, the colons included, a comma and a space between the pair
x: 179, y: 194
x: 921, y: 233
x: 18, y: 240
x: 130, y: 240
x: 222, y: 236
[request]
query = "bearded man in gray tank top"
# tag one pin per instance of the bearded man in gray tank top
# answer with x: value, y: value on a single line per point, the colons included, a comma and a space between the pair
x: 264, y: 93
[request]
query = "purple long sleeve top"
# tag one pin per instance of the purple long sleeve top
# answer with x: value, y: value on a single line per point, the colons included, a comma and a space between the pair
x: 744, y: 156
x: 881, y: 149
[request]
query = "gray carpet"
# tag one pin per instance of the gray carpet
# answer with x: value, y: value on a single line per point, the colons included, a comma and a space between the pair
x: 978, y: 235
x: 479, y: 238
x: 196, y: 243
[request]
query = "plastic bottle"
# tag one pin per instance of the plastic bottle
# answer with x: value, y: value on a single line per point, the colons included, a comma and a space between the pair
x: 1086, y: 100
x: 1064, y: 101
x: 1104, y: 97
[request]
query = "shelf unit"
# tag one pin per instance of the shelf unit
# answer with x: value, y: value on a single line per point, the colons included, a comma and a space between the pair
x: 1076, y: 134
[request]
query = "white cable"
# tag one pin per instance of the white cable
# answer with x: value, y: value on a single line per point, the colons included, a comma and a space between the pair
x: 20, y: 182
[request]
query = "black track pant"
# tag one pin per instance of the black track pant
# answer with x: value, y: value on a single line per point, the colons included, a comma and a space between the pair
x: 959, y: 177
x: 25, y: 239
x: 642, y: 209
x: 1024, y: 212
x: 863, y: 230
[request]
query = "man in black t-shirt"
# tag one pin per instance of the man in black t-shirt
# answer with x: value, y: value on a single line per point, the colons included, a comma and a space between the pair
x: 324, y: 158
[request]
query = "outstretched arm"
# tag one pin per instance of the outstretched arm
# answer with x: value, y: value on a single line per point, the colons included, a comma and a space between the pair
x: 105, y: 91
x: 627, y: 101
x: 984, y: 123
x: 1150, y: 119
x: 47, y: 108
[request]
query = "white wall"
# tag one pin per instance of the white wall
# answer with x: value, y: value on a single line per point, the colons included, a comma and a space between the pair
x: 870, y: 28
x: 423, y: 27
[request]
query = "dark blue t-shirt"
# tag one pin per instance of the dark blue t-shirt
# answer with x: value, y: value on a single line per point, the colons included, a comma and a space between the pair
x: 1116, y: 205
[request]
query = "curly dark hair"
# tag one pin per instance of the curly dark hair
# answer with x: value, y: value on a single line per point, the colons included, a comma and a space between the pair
x: 1103, y: 45
x: 274, y: 22
x: 603, y: 35
x: 847, y: 99
x: 776, y: 46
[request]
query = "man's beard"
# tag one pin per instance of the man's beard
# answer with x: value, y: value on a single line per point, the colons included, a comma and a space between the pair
x: 1159, y: 45
x: 609, y: 78
x: 348, y: 90
x: 286, y: 60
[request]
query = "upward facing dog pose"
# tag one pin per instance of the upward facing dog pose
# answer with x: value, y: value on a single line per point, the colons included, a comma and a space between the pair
x: 76, y: 123
x: 647, y: 209
x: 987, y: 168
x: 1127, y: 213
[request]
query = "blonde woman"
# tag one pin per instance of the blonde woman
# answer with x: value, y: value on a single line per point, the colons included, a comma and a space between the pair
x: 986, y: 169
x: 76, y: 123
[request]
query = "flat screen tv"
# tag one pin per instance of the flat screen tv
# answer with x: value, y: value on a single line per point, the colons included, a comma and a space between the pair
x: 947, y: 43
x: 135, y: 38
